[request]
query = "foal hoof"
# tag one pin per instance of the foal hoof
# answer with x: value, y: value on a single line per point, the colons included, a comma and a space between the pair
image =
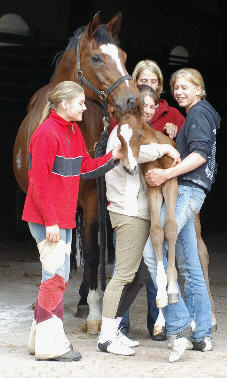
x: 161, y: 302
x: 82, y: 311
x: 173, y: 298
x: 93, y: 327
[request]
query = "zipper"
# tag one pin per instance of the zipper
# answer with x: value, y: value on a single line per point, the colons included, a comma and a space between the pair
x: 67, y: 139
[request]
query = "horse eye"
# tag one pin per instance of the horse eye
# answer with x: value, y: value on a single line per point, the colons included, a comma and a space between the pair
x: 140, y: 135
x: 97, y: 59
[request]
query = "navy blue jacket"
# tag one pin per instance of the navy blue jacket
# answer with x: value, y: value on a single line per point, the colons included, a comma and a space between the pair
x: 199, y: 135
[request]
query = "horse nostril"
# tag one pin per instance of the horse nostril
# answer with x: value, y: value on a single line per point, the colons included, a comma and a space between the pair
x: 130, y: 103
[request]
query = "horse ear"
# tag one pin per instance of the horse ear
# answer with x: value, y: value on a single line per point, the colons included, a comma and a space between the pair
x: 138, y: 109
x: 93, y: 26
x: 114, y: 25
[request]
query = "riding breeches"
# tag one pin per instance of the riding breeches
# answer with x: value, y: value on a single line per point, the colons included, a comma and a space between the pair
x: 50, y: 339
x: 131, y: 236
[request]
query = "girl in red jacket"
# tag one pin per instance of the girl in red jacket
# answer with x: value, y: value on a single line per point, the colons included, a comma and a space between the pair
x: 57, y: 159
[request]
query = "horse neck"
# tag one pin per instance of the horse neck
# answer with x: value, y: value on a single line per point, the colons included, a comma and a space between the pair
x: 66, y: 67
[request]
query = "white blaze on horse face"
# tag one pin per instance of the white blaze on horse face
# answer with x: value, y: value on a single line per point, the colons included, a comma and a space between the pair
x: 111, y: 50
x: 126, y: 133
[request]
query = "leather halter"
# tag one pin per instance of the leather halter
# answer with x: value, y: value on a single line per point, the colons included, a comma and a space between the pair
x: 102, y: 94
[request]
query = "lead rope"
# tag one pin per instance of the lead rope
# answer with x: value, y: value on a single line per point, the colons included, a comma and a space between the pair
x: 100, y: 150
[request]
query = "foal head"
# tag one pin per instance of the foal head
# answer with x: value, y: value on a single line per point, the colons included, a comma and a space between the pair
x: 131, y: 132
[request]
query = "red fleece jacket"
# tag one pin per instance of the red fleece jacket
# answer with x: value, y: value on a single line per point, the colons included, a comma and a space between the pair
x: 57, y: 158
x: 163, y: 114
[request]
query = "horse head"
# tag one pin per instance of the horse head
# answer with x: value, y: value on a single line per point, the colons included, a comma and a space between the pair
x: 132, y: 130
x: 98, y: 64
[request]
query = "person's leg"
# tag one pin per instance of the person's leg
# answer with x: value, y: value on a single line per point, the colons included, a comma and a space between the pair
x: 131, y: 235
x: 196, y: 296
x: 50, y: 339
x: 125, y: 322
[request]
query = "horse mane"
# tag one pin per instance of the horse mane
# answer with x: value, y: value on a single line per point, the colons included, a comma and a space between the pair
x: 101, y: 36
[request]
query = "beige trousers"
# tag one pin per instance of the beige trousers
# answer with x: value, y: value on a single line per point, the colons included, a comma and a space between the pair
x: 131, y: 236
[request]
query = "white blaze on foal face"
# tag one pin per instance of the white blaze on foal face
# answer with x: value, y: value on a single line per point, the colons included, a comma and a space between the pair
x: 112, y: 51
x: 126, y: 133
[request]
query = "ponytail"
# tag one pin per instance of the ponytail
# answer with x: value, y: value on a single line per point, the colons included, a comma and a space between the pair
x: 46, y: 111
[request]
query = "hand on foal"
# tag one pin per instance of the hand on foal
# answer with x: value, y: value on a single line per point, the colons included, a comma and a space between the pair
x: 53, y: 233
x: 173, y: 154
x: 117, y: 153
x: 170, y: 129
x: 156, y: 176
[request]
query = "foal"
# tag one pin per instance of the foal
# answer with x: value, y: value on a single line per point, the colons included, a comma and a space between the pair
x: 133, y: 131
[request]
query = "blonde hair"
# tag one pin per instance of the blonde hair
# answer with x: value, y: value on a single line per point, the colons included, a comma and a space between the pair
x: 152, y: 66
x: 66, y: 90
x: 191, y: 75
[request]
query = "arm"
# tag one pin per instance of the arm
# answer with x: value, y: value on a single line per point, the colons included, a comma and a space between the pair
x: 153, y: 151
x: 156, y: 176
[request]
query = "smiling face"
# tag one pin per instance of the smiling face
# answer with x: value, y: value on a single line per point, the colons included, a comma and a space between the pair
x: 186, y: 93
x: 148, y: 108
x: 73, y: 109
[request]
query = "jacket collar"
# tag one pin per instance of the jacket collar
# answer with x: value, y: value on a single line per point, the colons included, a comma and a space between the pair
x: 61, y: 121
x: 162, y: 108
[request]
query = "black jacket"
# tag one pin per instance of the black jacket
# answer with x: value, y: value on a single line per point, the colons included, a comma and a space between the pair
x: 199, y: 135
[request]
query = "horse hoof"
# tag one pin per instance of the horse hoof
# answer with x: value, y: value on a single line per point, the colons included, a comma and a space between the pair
x: 82, y: 311
x: 93, y: 327
x: 173, y: 298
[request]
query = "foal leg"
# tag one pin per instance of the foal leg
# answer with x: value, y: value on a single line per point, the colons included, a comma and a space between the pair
x: 169, y: 189
x: 204, y: 261
x: 155, y: 200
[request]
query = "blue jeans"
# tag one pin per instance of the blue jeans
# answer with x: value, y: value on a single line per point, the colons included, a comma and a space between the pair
x: 196, y: 303
x: 38, y: 232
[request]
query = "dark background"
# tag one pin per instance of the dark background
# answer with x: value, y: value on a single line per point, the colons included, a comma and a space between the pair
x: 150, y: 29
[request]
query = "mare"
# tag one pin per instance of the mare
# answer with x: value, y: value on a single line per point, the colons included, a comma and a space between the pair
x: 133, y: 131
x: 94, y: 59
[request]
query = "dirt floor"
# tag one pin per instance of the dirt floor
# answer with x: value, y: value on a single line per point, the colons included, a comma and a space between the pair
x: 20, y: 278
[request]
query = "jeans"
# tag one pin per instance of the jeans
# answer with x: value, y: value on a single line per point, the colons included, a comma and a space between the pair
x: 38, y: 232
x: 196, y: 303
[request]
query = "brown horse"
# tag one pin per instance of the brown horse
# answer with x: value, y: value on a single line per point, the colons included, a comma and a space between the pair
x: 94, y: 59
x: 142, y: 133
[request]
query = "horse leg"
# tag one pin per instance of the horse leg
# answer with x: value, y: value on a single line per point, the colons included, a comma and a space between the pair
x: 91, y: 258
x: 204, y: 261
x: 155, y: 200
x: 169, y: 189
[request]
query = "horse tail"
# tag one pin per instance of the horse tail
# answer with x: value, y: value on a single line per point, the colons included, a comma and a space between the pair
x: 100, y: 150
x: 76, y: 256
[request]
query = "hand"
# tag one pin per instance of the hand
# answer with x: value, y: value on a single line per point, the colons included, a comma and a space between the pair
x: 173, y: 154
x: 171, y: 130
x: 156, y: 176
x: 117, y: 153
x: 53, y: 233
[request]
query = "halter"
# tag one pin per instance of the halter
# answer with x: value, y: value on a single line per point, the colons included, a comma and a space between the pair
x: 102, y: 94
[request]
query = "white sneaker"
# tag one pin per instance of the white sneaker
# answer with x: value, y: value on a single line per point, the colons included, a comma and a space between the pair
x: 114, y: 346
x: 126, y: 340
x: 203, y: 345
x: 178, y: 347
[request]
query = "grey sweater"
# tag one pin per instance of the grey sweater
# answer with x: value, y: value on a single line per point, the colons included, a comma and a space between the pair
x: 199, y: 135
